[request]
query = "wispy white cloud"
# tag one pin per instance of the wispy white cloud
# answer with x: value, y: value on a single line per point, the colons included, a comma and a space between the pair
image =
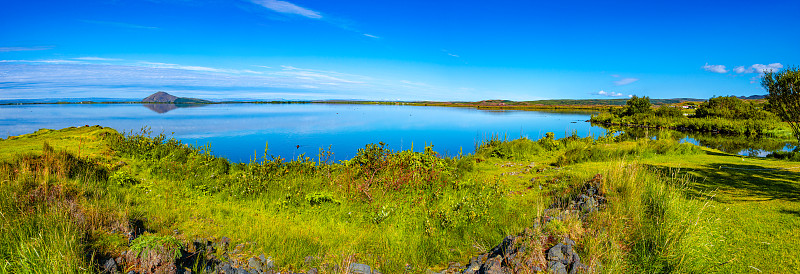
x: 609, y: 93
x: 289, y: 8
x: 48, y: 61
x: 118, y: 24
x: 10, y: 49
x: 715, y: 68
x: 414, y: 83
x: 312, y: 74
x: 450, y: 53
x: 176, y: 66
x: 623, y: 81
x: 371, y: 36
x: 92, y: 58
x: 134, y: 79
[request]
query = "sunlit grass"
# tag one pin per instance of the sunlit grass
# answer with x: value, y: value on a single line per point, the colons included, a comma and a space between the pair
x: 671, y: 208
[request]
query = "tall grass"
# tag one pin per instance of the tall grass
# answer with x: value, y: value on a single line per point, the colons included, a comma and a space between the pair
x: 649, y: 225
x: 38, y: 233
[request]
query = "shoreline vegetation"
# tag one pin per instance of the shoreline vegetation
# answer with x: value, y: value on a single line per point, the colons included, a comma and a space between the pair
x: 726, y: 115
x: 90, y: 199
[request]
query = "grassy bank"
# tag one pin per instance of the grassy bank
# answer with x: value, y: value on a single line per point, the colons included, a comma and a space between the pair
x: 82, y: 195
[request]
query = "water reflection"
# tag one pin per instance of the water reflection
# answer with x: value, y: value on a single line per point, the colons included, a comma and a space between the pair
x: 236, y: 131
x: 741, y: 145
x: 164, y: 108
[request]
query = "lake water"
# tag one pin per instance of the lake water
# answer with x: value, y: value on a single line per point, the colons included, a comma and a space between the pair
x: 236, y: 131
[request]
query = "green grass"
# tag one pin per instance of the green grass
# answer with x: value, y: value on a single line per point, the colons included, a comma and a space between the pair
x: 671, y: 207
x: 757, y: 203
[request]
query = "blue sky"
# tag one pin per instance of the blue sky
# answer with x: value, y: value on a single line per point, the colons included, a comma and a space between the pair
x: 393, y: 50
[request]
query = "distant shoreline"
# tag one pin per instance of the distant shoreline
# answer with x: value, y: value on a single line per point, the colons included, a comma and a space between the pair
x: 572, y: 104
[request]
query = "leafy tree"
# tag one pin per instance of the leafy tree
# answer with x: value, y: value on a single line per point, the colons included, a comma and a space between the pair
x: 784, y: 96
x: 733, y: 108
x: 637, y: 105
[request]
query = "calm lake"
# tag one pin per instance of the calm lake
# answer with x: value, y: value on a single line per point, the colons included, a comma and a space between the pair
x: 237, y: 131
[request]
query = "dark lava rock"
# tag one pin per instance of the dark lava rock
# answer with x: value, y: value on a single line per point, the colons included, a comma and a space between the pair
x: 556, y: 253
x: 492, y: 266
x: 473, y: 268
x: 110, y: 266
x: 556, y: 267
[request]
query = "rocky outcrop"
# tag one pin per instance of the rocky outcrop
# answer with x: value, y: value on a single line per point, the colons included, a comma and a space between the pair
x: 537, y: 249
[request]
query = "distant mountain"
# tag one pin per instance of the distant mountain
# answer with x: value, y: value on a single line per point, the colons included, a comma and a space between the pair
x: 753, y: 97
x: 163, y: 97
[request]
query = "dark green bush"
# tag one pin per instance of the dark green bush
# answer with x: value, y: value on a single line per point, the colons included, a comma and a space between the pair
x: 666, y: 111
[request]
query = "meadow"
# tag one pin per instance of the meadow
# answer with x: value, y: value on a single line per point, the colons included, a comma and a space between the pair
x: 75, y: 198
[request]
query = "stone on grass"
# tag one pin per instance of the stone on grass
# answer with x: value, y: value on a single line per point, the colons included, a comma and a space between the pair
x: 356, y: 268
x: 556, y: 253
x: 254, y: 263
x: 110, y: 266
x: 556, y: 267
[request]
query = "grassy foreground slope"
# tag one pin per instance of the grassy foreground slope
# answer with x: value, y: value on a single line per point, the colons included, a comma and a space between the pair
x: 70, y: 199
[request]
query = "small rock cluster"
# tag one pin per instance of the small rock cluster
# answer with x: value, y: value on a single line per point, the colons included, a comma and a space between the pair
x: 507, y: 257
x: 589, y: 198
x: 212, y: 256
x: 523, y: 253
x: 562, y: 259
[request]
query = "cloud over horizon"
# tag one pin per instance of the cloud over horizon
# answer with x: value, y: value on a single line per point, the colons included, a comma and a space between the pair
x: 91, y: 77
x: 609, y: 93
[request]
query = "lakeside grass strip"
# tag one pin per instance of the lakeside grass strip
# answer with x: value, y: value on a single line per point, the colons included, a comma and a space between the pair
x: 186, y: 197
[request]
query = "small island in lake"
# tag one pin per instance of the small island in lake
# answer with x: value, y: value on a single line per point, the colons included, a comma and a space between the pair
x: 163, y: 102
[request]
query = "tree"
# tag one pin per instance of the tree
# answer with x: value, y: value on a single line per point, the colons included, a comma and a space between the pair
x: 637, y: 105
x: 784, y: 96
x: 730, y: 107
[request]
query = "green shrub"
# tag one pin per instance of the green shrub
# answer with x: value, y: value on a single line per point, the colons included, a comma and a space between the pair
x: 667, y: 111
x: 555, y: 227
x: 122, y: 178
x: 151, y: 242
x: 321, y: 198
